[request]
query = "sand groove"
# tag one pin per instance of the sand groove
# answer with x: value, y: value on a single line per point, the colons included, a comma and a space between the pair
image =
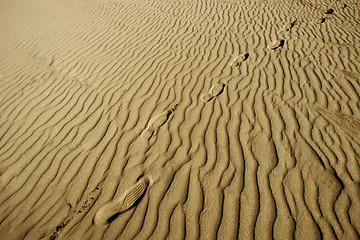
x: 196, y: 119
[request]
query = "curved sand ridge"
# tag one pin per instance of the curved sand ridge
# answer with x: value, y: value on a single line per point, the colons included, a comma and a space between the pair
x: 179, y: 119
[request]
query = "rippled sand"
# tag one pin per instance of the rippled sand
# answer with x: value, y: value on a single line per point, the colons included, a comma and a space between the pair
x: 169, y: 119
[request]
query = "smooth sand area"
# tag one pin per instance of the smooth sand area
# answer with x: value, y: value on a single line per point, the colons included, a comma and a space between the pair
x: 179, y: 119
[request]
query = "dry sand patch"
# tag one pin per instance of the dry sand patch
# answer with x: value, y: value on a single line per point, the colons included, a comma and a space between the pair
x: 198, y: 119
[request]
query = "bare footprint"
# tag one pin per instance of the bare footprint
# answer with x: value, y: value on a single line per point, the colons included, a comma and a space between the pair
x: 236, y: 61
x: 276, y: 44
x: 108, y: 212
x: 215, y: 91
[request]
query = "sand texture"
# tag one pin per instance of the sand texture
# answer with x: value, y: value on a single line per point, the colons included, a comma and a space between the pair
x: 179, y: 119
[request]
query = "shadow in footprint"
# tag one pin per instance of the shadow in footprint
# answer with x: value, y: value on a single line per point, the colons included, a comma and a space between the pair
x: 112, y: 218
x: 215, y: 91
x: 276, y: 44
x: 321, y: 20
x: 329, y: 11
x: 289, y: 26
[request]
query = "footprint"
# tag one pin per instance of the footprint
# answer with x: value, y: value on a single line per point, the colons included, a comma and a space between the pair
x: 157, y: 121
x: 236, y: 61
x: 329, y: 11
x: 289, y: 26
x: 108, y: 212
x: 320, y: 20
x: 276, y: 44
x: 215, y: 91
x: 351, y: 76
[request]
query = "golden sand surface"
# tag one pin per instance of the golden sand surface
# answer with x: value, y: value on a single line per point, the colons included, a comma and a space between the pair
x: 179, y: 119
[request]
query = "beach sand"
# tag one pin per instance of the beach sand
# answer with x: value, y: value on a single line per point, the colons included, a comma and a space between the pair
x: 179, y: 119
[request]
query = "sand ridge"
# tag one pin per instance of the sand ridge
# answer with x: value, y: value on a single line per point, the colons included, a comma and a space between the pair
x: 196, y: 119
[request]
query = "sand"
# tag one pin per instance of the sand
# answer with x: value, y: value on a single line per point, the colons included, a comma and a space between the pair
x: 169, y: 119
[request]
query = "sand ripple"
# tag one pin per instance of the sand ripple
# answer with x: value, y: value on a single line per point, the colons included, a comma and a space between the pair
x: 196, y: 119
